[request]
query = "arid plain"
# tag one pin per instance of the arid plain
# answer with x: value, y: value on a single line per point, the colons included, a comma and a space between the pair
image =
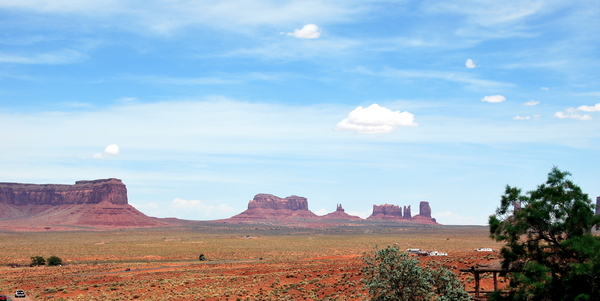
x: 245, y: 262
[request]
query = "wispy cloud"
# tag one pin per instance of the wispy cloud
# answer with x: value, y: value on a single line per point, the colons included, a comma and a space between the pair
x: 65, y: 56
x: 188, y: 209
x: 494, y: 98
x: 522, y: 117
x: 223, y: 79
x: 532, y: 103
x: 166, y: 17
x: 571, y: 113
x: 441, y: 75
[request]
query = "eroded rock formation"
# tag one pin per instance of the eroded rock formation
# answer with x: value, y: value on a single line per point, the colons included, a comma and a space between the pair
x: 340, y: 214
x: 269, y: 201
x: 98, y: 203
x: 407, y: 213
x: 386, y: 211
x: 424, y: 209
x: 397, y: 213
x: 270, y: 207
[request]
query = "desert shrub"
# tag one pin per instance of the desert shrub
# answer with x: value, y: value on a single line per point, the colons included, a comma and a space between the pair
x: 391, y: 275
x: 202, y: 257
x: 37, y: 261
x: 54, y: 260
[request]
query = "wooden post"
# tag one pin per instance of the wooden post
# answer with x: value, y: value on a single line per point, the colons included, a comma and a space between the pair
x: 476, y: 284
x: 495, y: 282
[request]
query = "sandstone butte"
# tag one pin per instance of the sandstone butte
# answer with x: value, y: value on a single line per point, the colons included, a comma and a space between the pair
x: 294, y: 208
x: 389, y: 212
x: 96, y: 204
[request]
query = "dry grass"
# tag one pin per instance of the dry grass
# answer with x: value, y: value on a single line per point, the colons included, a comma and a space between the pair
x: 298, y: 264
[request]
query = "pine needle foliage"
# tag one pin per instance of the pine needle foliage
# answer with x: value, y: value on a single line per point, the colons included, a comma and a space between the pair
x: 551, y: 251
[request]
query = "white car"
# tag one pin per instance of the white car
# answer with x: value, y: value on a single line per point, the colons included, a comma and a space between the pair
x: 19, y: 294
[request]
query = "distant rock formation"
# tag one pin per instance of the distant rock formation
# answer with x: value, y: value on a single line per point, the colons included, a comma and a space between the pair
x: 424, y: 215
x: 407, y: 213
x: 597, y: 205
x: 396, y: 213
x: 98, y: 203
x: 387, y: 212
x: 270, y: 207
x: 340, y: 214
x: 83, y: 192
x: 424, y: 209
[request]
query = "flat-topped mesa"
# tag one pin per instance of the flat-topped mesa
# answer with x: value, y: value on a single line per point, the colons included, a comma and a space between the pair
x: 386, y: 211
x: 270, y: 207
x: 269, y: 201
x: 598, y: 205
x: 83, y: 192
x: 403, y: 214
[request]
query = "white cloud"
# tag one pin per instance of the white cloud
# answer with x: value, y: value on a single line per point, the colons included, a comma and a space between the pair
x: 309, y: 31
x: 544, y: 88
x: 361, y: 214
x: 195, y: 209
x: 470, y: 64
x: 572, y: 114
x: 375, y: 119
x: 532, y: 103
x: 494, y: 98
x: 110, y: 151
x: 321, y: 212
x: 522, y: 117
x: 451, y: 218
x: 594, y: 108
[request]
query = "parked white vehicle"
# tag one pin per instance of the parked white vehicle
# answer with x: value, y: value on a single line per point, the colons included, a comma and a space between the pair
x: 436, y: 253
x: 484, y: 250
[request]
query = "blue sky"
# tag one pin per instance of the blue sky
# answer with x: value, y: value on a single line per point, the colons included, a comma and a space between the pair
x: 199, y: 105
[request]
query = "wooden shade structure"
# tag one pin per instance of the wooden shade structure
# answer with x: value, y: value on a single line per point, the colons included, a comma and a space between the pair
x: 493, y: 267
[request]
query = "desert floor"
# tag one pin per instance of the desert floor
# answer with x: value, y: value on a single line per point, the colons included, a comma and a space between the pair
x: 244, y: 262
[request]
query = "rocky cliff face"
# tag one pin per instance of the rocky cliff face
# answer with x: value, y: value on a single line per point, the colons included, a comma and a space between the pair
x: 83, y: 192
x: 270, y: 207
x: 98, y: 203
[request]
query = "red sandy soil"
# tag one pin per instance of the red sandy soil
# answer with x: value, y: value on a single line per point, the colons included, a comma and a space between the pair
x: 320, y: 278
